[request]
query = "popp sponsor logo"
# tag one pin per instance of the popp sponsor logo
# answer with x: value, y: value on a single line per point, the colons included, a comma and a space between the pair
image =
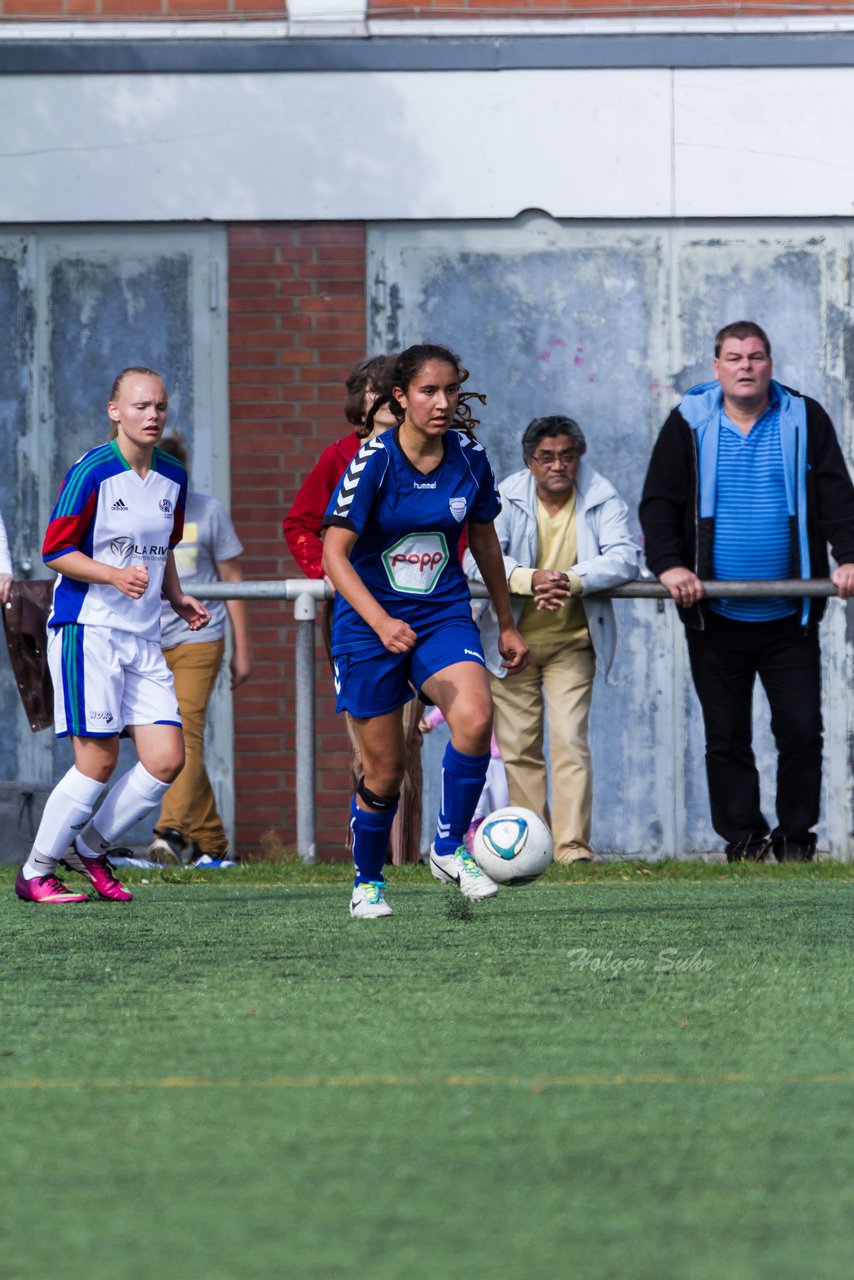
x: 426, y: 560
x: 414, y: 564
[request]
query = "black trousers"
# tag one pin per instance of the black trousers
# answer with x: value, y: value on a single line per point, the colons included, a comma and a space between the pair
x: 725, y: 660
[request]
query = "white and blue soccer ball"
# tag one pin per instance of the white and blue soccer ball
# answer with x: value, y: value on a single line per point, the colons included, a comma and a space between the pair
x: 513, y: 846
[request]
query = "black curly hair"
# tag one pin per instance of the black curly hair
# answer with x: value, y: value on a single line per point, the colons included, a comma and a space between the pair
x: 408, y: 365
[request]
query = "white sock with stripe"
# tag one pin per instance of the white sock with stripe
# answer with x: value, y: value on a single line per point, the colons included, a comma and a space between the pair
x: 68, y: 808
x: 130, y: 799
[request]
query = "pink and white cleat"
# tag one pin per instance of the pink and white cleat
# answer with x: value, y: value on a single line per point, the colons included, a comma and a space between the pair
x: 100, y: 875
x: 47, y: 888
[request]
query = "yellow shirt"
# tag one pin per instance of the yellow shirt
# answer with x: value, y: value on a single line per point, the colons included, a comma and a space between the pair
x: 557, y: 548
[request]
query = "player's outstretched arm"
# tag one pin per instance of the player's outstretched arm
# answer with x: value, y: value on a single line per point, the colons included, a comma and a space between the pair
x: 396, y: 635
x: 131, y: 580
x: 484, y: 546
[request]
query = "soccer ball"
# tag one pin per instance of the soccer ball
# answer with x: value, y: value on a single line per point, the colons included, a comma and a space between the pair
x: 513, y: 846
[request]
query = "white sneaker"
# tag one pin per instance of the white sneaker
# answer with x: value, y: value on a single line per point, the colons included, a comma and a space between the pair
x: 368, y: 901
x: 170, y: 847
x: 460, y: 868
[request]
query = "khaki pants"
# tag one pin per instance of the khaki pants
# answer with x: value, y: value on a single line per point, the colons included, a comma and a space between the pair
x: 557, y: 682
x: 189, y: 805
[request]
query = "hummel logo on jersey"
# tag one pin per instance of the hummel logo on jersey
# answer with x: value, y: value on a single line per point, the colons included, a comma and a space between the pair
x: 119, y: 506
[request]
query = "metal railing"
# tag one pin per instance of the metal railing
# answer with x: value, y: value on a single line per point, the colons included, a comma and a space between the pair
x: 305, y: 594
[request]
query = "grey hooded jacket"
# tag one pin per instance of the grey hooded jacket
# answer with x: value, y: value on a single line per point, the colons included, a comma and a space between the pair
x: 607, y: 555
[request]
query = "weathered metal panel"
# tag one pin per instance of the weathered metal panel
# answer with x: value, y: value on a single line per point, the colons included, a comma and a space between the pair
x: 611, y: 323
x: 352, y: 138
x: 104, y: 312
x: 18, y: 490
x: 77, y: 306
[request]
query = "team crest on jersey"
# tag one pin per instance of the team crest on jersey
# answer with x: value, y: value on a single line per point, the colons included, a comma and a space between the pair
x: 458, y: 509
x: 415, y: 563
x: 166, y: 506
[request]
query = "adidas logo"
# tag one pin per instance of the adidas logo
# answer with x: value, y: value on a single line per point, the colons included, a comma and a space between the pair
x: 119, y: 506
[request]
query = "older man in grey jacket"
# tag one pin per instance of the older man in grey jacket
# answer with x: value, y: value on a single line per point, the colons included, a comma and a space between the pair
x: 564, y: 533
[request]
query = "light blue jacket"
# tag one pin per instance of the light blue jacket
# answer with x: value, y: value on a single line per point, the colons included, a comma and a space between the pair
x: 701, y: 409
x: 607, y: 555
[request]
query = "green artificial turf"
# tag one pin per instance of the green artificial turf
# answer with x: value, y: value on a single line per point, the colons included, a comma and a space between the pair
x: 621, y: 1072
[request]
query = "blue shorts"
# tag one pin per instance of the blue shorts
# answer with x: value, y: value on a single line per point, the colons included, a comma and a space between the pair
x: 377, y: 684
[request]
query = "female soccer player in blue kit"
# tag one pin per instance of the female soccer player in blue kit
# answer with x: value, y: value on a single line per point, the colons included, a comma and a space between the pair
x: 403, y: 614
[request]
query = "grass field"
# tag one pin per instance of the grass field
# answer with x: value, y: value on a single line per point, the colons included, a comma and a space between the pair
x: 622, y: 1073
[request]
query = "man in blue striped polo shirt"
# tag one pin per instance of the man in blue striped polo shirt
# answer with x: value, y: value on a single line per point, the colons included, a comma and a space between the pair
x: 747, y: 481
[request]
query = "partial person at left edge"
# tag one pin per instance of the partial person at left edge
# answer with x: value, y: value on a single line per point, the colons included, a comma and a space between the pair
x: 119, y: 514
x: 5, y: 565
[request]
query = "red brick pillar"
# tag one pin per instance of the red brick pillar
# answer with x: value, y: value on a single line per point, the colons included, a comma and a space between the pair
x: 296, y: 328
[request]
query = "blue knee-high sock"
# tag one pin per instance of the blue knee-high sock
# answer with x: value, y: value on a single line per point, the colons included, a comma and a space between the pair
x: 462, y: 782
x: 371, y: 830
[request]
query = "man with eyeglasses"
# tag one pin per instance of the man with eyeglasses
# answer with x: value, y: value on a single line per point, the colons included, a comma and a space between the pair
x: 747, y: 481
x: 563, y: 530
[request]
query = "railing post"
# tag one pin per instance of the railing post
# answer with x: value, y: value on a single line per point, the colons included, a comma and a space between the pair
x: 305, y: 612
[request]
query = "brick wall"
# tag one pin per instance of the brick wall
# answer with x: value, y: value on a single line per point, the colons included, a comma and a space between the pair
x: 124, y: 10
x: 296, y: 328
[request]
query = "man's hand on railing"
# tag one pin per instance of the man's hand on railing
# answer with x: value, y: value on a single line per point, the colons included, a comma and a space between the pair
x: 684, y: 586
x: 551, y: 589
x: 843, y: 579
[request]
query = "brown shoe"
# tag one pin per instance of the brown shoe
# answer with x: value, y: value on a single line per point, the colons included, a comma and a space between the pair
x: 574, y: 853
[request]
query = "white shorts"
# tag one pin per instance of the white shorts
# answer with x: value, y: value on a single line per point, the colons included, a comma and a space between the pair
x: 104, y: 680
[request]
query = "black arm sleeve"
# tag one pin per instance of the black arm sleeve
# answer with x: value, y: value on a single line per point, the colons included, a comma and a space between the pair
x: 667, y: 501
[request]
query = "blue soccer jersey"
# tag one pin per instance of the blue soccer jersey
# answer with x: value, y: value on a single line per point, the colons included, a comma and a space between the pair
x: 409, y: 527
x: 113, y: 515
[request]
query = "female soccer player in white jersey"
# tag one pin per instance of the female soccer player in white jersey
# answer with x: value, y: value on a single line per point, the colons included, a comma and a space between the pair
x: 403, y: 614
x: 119, y: 514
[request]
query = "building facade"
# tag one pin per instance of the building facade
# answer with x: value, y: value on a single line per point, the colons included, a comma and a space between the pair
x: 574, y: 197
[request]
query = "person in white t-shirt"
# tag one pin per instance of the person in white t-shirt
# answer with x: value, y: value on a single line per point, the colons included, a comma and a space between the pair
x: 118, y: 515
x: 189, y: 826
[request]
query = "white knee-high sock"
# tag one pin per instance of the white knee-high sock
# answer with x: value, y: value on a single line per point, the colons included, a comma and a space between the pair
x: 130, y: 799
x: 69, y: 807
